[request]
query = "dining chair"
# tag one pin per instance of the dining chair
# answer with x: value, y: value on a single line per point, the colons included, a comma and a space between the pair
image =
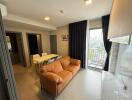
x: 36, y: 55
x: 44, y: 54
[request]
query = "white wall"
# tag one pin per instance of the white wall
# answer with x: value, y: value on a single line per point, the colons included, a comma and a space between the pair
x: 113, y: 57
x: 95, y: 23
x: 62, y: 46
x: 45, y: 40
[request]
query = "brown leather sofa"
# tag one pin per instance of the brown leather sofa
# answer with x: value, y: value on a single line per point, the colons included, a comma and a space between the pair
x: 55, y: 76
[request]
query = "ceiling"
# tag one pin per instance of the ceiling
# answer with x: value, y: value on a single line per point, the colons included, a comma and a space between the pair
x: 19, y: 25
x: 74, y: 10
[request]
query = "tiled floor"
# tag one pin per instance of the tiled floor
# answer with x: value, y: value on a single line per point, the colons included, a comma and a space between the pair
x: 86, y: 85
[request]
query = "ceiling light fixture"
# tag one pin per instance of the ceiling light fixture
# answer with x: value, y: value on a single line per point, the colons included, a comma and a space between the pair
x: 61, y: 11
x: 47, y: 18
x: 88, y: 2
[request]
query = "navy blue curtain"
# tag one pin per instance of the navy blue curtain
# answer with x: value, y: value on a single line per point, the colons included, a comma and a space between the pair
x: 107, y: 43
x: 77, y: 41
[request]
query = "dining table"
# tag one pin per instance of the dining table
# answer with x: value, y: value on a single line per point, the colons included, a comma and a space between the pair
x: 40, y: 61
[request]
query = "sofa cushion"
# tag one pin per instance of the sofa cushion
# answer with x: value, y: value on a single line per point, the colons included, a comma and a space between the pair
x: 57, y: 66
x: 65, y: 61
x: 65, y: 75
x: 73, y: 68
x: 54, y: 67
x: 52, y: 77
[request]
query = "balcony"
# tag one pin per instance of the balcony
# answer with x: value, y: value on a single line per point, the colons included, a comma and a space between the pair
x: 96, y: 51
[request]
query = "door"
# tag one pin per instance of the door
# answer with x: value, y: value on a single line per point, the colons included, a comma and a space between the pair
x: 15, y: 47
x: 96, y: 52
x: 53, y: 44
x: 33, y: 44
x: 7, y: 81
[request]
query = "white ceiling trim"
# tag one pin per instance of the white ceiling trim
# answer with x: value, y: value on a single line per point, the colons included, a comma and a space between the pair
x: 19, y: 19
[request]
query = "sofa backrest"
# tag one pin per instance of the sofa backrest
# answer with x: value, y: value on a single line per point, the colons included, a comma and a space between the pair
x: 65, y: 61
x: 54, y: 67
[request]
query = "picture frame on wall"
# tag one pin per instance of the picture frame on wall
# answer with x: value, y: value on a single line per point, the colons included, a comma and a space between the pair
x: 65, y: 37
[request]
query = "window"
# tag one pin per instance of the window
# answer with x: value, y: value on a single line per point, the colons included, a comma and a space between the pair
x: 96, y: 51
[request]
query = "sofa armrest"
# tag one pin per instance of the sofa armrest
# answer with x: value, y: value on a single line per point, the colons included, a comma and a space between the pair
x: 43, y: 69
x: 52, y: 77
x: 75, y: 62
x: 46, y: 68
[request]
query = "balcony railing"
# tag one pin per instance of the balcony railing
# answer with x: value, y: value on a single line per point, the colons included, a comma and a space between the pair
x: 96, y: 57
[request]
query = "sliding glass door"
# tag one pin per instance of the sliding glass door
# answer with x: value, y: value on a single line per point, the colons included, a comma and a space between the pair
x: 96, y: 51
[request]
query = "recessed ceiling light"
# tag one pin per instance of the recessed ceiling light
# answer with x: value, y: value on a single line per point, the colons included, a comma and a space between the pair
x: 88, y: 2
x: 47, y: 18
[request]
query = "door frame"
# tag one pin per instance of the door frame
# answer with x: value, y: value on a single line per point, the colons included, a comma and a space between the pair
x: 28, y: 42
x: 6, y: 64
x: 23, y: 53
x: 30, y: 56
x: 96, y: 28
